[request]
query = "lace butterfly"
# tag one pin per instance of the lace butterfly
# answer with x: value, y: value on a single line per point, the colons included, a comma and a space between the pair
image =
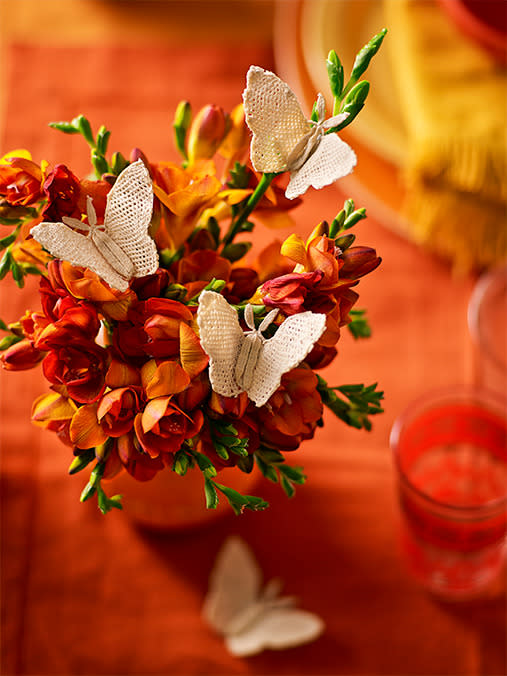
x: 284, y: 140
x: 249, y: 362
x: 250, y: 618
x: 119, y: 249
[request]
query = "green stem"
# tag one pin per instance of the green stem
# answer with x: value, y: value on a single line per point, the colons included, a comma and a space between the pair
x: 253, y: 201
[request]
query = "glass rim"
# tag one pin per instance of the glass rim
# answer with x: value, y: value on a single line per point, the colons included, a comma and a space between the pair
x: 484, y: 284
x: 431, y: 400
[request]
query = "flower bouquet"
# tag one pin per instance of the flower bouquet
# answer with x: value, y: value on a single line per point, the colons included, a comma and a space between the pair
x: 167, y: 344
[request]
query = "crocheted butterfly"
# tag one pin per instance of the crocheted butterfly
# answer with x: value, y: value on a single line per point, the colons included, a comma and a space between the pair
x: 120, y: 248
x: 248, y: 362
x: 251, y: 618
x: 284, y: 140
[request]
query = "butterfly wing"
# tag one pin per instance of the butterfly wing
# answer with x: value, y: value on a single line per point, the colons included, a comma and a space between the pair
x: 332, y: 160
x: 221, y: 339
x: 128, y: 215
x: 275, y: 118
x: 68, y: 245
x: 277, y: 628
x: 294, y: 339
x: 235, y: 583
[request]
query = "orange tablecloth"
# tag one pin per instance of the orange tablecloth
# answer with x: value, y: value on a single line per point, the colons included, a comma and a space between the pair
x: 86, y: 594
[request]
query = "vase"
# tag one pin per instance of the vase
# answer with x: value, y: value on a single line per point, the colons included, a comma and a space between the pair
x: 170, y: 502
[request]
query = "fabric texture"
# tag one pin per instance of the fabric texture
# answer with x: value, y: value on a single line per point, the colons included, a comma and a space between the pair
x: 284, y: 140
x: 122, y: 248
x: 452, y: 96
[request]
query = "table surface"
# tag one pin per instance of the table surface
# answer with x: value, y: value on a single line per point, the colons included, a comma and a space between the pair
x: 86, y: 594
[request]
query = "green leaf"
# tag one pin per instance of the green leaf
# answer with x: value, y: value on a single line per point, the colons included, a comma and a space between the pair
x: 295, y: 474
x: 102, y: 140
x: 240, y: 176
x: 236, y: 250
x: 240, y: 502
x: 3, y: 326
x: 335, y: 73
x: 267, y: 470
x: 359, y: 326
x: 315, y: 113
x: 204, y: 464
x: 210, y: 493
x: 352, y: 104
x: 363, y: 401
x: 82, y: 124
x: 366, y: 54
x: 287, y: 487
x: 7, y: 241
x: 169, y: 256
x: 17, y: 274
x: 66, y: 127
x: 5, y: 263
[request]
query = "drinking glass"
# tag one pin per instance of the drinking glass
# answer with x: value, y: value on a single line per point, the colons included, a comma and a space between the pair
x: 450, y: 453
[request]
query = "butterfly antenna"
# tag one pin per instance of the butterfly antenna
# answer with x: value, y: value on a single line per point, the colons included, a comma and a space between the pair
x: 249, y: 317
x: 90, y: 211
x: 268, y: 319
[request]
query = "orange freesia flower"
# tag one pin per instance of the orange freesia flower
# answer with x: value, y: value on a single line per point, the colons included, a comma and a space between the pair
x: 189, y: 196
x: 163, y: 379
x: 85, y: 431
x: 20, y: 178
x: 54, y: 412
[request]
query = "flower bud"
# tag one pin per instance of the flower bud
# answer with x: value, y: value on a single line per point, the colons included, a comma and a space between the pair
x: 21, y: 356
x: 358, y: 261
x: 206, y: 133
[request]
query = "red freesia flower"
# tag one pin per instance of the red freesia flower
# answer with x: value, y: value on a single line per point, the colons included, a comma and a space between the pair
x: 288, y: 293
x: 117, y: 410
x: 138, y: 464
x: 292, y: 412
x: 62, y: 189
x: 80, y: 366
x: 162, y: 427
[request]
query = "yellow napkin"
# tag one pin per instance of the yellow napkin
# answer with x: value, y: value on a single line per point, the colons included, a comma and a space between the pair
x: 453, y: 98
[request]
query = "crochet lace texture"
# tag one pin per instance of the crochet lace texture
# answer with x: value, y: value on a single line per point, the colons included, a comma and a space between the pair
x: 121, y: 248
x: 223, y: 339
x: 284, y: 140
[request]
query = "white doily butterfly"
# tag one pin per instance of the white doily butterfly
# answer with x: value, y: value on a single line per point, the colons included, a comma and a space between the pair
x: 250, y: 618
x: 248, y: 362
x: 284, y: 140
x: 121, y: 248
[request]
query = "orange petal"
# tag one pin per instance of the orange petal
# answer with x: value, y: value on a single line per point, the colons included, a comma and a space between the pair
x: 50, y: 407
x: 168, y: 378
x: 192, y: 356
x: 155, y: 410
x: 85, y: 431
x: 120, y: 374
x: 294, y: 248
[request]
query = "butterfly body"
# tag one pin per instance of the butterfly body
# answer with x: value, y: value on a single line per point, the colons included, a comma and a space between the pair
x: 247, y: 361
x: 121, y: 248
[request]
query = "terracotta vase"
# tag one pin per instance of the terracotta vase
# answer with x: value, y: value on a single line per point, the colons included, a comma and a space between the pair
x: 170, y: 502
